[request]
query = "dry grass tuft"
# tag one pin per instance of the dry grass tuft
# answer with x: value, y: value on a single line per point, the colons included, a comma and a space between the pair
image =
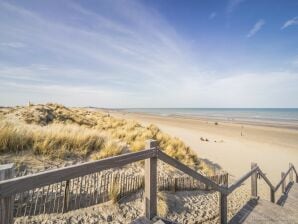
x: 162, y: 205
x: 114, y: 193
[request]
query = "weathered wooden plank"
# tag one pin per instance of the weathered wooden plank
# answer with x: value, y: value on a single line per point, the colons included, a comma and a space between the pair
x: 6, y: 202
x: 150, y: 194
x: 175, y: 163
x: 291, y: 172
x: 282, y: 179
x: 262, y: 211
x: 21, y: 184
x: 242, y: 179
x: 223, y: 208
x: 283, y: 183
x: 265, y: 178
x: 291, y: 202
x: 254, y: 183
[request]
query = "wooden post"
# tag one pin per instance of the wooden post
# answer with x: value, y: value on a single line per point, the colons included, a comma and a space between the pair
x: 291, y: 172
x: 283, y: 185
x: 66, y: 197
x: 272, y: 195
x: 6, y: 203
x: 151, y: 183
x: 254, y: 185
x: 223, y: 209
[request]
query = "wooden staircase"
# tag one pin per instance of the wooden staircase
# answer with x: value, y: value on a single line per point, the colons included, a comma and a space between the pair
x: 262, y: 211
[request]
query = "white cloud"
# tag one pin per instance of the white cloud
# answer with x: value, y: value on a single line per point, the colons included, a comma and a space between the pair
x: 212, y: 15
x: 13, y: 44
x: 256, y: 28
x: 291, y: 22
x: 111, y: 63
x: 233, y: 4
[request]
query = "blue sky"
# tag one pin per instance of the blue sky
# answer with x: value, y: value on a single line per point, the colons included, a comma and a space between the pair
x: 159, y: 53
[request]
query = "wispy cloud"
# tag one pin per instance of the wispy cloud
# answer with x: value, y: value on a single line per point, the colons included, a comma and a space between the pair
x: 138, y: 55
x: 291, y: 22
x: 13, y: 44
x: 212, y: 15
x: 82, y: 55
x: 256, y: 28
x: 233, y: 4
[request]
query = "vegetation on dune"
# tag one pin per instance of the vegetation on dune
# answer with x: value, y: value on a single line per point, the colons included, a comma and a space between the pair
x: 61, y: 132
x: 56, y: 140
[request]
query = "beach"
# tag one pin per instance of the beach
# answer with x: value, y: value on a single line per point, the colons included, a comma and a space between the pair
x: 231, y: 145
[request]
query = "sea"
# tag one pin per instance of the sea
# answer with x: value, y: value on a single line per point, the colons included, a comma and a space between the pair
x: 285, y: 116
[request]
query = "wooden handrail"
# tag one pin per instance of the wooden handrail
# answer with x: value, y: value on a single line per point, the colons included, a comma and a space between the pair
x: 20, y: 184
x: 283, y: 179
x: 180, y: 166
x: 295, y: 171
x: 265, y: 178
x: 242, y: 179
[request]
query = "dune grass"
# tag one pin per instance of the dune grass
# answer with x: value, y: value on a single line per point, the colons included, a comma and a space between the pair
x: 61, y: 132
x: 56, y: 140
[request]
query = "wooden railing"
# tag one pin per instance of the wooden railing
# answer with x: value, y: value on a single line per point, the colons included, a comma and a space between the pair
x: 10, y: 187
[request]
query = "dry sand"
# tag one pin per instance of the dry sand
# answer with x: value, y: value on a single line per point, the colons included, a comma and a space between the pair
x: 273, y: 148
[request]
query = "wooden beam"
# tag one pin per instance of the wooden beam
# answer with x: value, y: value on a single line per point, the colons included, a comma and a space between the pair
x: 180, y: 166
x: 223, y: 208
x: 254, y: 182
x: 282, y: 179
x: 283, y: 185
x: 265, y: 178
x: 291, y: 172
x: 151, y: 183
x: 6, y: 203
x: 272, y: 195
x: 25, y: 183
x: 242, y: 179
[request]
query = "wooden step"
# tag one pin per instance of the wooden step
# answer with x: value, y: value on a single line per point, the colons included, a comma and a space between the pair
x: 290, y: 201
x: 262, y: 211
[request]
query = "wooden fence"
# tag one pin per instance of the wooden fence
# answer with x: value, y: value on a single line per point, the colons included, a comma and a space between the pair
x: 94, y: 189
x: 81, y: 185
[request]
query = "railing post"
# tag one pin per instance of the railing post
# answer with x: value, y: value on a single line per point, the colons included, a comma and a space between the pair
x: 223, y: 209
x: 254, y: 185
x: 283, y: 184
x: 6, y: 203
x: 291, y: 172
x: 151, y: 183
x: 272, y: 195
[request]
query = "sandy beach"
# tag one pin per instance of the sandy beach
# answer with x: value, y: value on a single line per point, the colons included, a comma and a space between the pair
x: 272, y: 147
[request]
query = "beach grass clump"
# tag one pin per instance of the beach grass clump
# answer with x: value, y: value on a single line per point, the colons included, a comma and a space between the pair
x: 12, y: 139
x: 110, y: 148
x: 64, y: 141
x: 162, y: 205
x: 56, y: 140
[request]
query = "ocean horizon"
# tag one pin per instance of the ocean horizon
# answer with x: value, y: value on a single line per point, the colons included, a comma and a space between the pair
x: 263, y: 115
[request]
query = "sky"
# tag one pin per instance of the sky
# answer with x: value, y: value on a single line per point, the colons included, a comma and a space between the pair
x: 157, y: 53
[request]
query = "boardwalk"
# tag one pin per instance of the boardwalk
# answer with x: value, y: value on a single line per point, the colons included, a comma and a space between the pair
x: 262, y: 211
